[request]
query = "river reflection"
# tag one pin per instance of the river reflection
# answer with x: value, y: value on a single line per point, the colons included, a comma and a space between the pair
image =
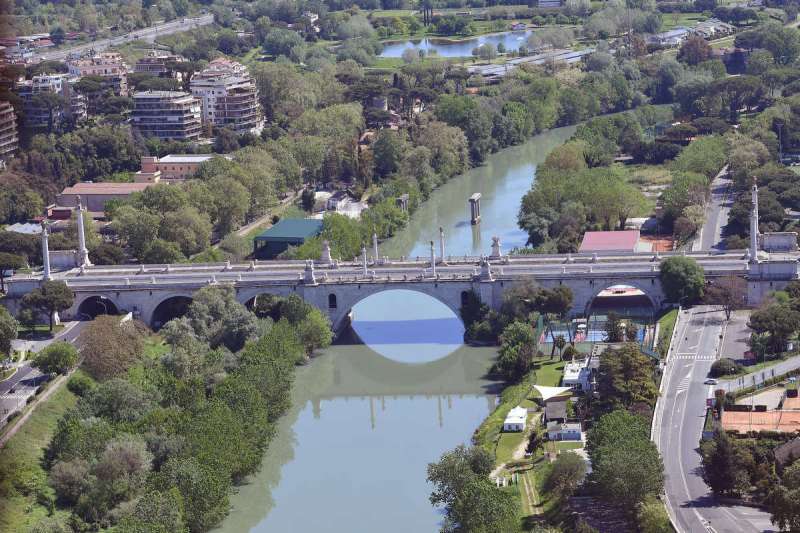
x: 432, y: 332
x: 351, y: 454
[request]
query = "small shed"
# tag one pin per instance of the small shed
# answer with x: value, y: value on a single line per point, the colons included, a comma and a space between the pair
x: 516, y: 419
x: 287, y: 232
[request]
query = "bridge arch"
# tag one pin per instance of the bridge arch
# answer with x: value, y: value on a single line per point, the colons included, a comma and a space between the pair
x: 168, y: 308
x: 96, y: 304
x: 651, y: 289
x: 338, y: 301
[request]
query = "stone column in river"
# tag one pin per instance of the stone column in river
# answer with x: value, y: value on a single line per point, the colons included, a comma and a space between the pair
x: 441, y: 244
x: 375, y: 246
x: 475, y: 208
x: 364, y: 256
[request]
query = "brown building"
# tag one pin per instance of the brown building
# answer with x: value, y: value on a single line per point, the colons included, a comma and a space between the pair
x: 95, y: 195
x: 173, y: 167
x: 9, y: 140
x: 167, y: 115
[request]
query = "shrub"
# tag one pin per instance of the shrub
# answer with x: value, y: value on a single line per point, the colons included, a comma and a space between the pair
x: 724, y: 367
x: 80, y: 383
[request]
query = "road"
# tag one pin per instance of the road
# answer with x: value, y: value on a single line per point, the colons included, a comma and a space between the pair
x: 15, y: 391
x: 678, y: 426
x: 717, y: 209
x: 148, y: 34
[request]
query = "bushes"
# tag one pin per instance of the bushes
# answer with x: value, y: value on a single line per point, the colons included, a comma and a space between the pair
x: 724, y: 367
x: 80, y: 383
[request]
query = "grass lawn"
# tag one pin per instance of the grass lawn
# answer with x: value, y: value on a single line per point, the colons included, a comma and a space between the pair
x: 682, y: 19
x: 548, y: 371
x: 509, y: 442
x: 39, y: 332
x: 21, y: 472
x: 568, y: 445
x: 665, y: 326
x: 648, y: 175
x: 748, y: 369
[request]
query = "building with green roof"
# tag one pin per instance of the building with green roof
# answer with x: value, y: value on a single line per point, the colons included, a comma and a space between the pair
x: 287, y: 232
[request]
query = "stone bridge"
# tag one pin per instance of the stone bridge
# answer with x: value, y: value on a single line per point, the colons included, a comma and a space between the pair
x: 156, y: 293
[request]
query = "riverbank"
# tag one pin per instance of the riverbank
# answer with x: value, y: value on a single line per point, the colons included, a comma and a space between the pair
x: 529, y: 469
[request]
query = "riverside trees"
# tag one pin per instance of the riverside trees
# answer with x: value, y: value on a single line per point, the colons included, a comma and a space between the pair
x: 158, y: 441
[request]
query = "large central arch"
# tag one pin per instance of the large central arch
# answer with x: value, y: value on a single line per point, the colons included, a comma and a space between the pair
x: 650, y: 290
x: 339, y: 301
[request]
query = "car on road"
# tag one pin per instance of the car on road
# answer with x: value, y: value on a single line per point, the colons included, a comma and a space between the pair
x: 710, y: 381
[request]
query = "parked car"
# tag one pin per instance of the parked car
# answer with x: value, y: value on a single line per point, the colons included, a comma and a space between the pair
x: 710, y: 381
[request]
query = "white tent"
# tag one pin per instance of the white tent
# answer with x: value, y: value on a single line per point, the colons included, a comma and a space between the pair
x: 551, y: 392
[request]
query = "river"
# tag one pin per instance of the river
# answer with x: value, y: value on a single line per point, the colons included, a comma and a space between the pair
x: 366, y: 419
x: 512, y: 40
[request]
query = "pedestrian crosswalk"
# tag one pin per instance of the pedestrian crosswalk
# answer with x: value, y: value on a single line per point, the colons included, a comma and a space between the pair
x: 696, y: 357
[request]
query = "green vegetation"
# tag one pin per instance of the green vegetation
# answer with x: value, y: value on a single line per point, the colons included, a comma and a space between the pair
x: 25, y: 497
x: 682, y: 279
x: 154, y: 442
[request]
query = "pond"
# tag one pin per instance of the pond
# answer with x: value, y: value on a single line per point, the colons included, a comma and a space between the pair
x: 512, y: 40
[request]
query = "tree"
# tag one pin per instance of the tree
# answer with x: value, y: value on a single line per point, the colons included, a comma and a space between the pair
x: 784, y: 507
x: 653, y: 517
x: 9, y: 262
x: 627, y: 483
x: 8, y: 330
x: 615, y: 331
x: 725, y: 465
x: 156, y: 511
x: 218, y: 319
x: 107, y: 254
x: 516, y: 351
x: 682, y: 279
x: 694, y: 50
x: 70, y: 479
x: 389, y: 148
x: 614, y: 427
x: 162, y: 252
x: 471, y: 501
x: 777, y: 320
x: 110, y: 347
x: 730, y: 293
x: 50, y: 297
x: 566, y: 474
x: 625, y: 378
x: 57, y: 358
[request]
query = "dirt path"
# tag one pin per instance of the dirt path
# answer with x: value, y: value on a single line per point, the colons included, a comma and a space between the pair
x: 519, y: 452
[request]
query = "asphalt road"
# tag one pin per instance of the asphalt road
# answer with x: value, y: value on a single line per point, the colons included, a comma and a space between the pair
x: 15, y: 391
x: 148, y: 34
x: 678, y: 427
x: 719, y: 205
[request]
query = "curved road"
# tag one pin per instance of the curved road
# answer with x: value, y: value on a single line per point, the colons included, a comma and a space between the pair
x: 148, y: 34
x: 678, y: 426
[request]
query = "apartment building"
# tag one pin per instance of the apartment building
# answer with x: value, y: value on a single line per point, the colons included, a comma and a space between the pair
x: 229, y: 96
x: 158, y: 63
x: 42, y: 113
x: 167, y: 115
x: 108, y: 65
x: 9, y: 139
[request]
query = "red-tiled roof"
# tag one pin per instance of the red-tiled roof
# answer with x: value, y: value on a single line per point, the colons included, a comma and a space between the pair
x: 607, y: 241
x: 105, y: 188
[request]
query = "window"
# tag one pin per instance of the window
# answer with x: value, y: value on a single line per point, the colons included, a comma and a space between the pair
x: 331, y: 301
